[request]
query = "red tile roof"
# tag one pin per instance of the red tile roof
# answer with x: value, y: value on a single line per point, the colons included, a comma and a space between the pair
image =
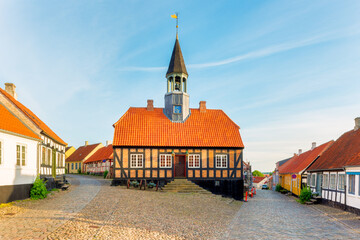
x: 81, y: 153
x: 34, y: 118
x: 344, y: 152
x: 258, y: 179
x: 299, y: 163
x: 104, y: 153
x: 12, y: 124
x: 140, y: 127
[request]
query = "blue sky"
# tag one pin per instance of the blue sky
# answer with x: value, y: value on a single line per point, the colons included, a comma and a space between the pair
x: 287, y: 72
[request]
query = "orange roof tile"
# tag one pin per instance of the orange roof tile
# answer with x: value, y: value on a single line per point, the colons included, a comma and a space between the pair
x: 34, y: 118
x: 344, y: 152
x: 81, y: 153
x: 103, y: 153
x: 258, y: 179
x: 299, y: 163
x: 12, y: 124
x: 140, y: 127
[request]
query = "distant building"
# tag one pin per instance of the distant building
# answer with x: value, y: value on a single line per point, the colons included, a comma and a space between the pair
x: 292, y: 173
x: 28, y: 147
x: 69, y: 150
x: 259, y: 181
x: 336, y: 174
x: 101, y: 160
x: 276, y: 172
x: 75, y: 162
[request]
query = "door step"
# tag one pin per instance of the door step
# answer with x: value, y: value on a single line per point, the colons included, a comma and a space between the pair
x: 184, y: 186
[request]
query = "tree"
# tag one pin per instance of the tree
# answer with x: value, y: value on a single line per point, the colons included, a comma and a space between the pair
x: 257, y: 173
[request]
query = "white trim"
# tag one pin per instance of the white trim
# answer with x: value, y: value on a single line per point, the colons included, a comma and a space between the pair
x: 137, y: 165
x: 221, y: 162
x: 311, y: 181
x: 348, y: 190
x: 166, y: 156
x: 21, y: 145
x: 193, y: 155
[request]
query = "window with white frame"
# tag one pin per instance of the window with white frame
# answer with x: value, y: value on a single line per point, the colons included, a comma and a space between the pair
x: 20, y: 155
x: 341, y: 182
x: 165, y: 160
x: 325, y: 181
x: 351, y: 189
x: 221, y: 161
x: 194, y: 160
x: 333, y: 181
x: 136, y: 160
x: 313, y: 180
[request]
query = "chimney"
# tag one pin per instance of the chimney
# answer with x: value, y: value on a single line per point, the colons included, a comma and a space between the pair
x: 357, y: 123
x: 300, y: 151
x: 86, y: 143
x: 150, y: 105
x: 10, y: 89
x: 202, y: 106
x: 108, y: 143
x: 313, y: 145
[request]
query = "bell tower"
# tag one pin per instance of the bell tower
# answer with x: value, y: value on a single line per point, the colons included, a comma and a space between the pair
x: 176, y: 98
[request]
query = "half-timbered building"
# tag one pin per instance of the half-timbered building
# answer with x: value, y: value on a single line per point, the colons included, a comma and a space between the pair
x: 336, y: 174
x: 75, y: 162
x: 292, y: 173
x: 51, y: 149
x: 176, y: 141
x: 102, y: 160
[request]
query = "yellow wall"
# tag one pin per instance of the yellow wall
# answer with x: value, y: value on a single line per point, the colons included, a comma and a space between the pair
x: 290, y: 184
x: 69, y: 152
x: 77, y: 165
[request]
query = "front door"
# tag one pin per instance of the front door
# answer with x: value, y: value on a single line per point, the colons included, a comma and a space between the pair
x: 179, y: 166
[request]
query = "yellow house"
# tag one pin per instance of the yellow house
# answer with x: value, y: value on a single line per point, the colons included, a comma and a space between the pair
x: 291, y: 173
x: 68, y: 151
x: 75, y: 161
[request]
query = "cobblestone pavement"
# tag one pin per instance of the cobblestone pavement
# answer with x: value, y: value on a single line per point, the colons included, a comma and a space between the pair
x: 95, y: 210
x: 270, y: 215
x: 44, y: 217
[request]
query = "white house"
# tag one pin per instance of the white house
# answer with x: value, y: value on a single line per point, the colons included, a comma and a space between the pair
x: 51, y: 150
x: 18, y: 157
x: 336, y: 173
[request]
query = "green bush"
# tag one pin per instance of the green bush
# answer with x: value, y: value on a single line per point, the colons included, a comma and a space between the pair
x: 305, y: 194
x: 38, y: 190
x: 278, y: 187
x: 79, y: 171
x: 106, y: 173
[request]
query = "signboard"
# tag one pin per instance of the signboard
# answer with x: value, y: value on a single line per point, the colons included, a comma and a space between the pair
x: 293, y: 176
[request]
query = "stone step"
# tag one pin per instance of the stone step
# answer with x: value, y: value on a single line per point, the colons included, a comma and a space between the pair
x: 184, y: 186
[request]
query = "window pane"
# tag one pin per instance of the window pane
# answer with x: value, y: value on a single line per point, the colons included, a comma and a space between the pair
x: 197, y: 161
x: 168, y: 161
x: 23, y: 155
x: 191, y: 160
x: 218, y: 161
x: 352, y: 184
x: 140, y: 160
x: 18, y: 155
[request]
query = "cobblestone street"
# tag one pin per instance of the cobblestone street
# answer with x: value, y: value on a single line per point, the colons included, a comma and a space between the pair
x: 270, y: 215
x: 94, y: 210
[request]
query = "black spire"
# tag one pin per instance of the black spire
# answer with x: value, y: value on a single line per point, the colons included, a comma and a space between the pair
x: 177, y: 64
